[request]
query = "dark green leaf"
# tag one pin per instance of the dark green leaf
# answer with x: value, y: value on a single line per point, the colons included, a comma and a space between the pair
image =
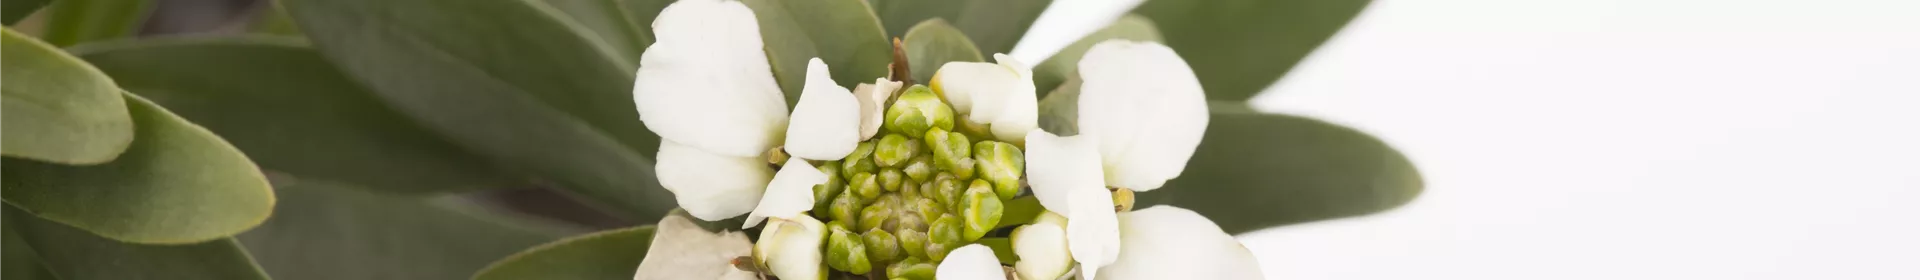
x: 12, y: 11
x: 327, y: 231
x: 274, y: 20
x: 1002, y: 249
x: 506, y: 79
x: 73, y: 254
x: 933, y: 43
x: 1239, y: 47
x: 608, y: 25
x: 1020, y: 211
x: 603, y: 255
x: 1254, y: 171
x: 75, y: 21
x: 640, y: 14
x: 843, y: 33
x: 1050, y: 74
x: 290, y: 110
x: 178, y: 184
x: 994, y: 25
x: 19, y: 261
x: 56, y: 107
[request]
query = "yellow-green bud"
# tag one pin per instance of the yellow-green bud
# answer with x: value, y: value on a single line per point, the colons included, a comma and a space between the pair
x: 947, y: 148
x: 824, y: 194
x: 846, y: 252
x: 865, y: 185
x: 916, y: 110
x: 937, y: 251
x: 874, y: 216
x: 1001, y: 164
x: 894, y: 150
x: 961, y: 198
x: 861, y: 160
x: 1122, y: 200
x: 963, y: 168
x: 846, y: 209
x: 946, y: 230
x: 891, y: 178
x: 929, y: 209
x: 944, y: 188
x: 914, y: 241
x: 980, y: 212
x: 911, y: 269
x: 920, y: 168
x: 909, y: 220
x: 881, y: 246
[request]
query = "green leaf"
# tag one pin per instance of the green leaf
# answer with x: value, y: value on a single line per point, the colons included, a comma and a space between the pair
x: 73, y: 254
x: 12, y: 11
x: 1065, y: 65
x: 640, y: 14
x: 75, y: 21
x: 274, y: 20
x: 506, y: 79
x: 18, y: 259
x: 1239, y: 47
x: 178, y: 184
x: 608, y: 24
x: 57, y: 108
x: 843, y: 33
x: 994, y: 25
x: 322, y: 230
x: 290, y: 110
x: 933, y: 43
x: 610, y: 254
x: 1254, y: 171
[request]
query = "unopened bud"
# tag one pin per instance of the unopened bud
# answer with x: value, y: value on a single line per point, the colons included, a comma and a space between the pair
x: 909, y: 220
x: 846, y: 252
x: 861, y: 160
x: 874, y: 216
x: 914, y: 242
x: 917, y: 110
x: 937, y: 251
x: 920, y: 168
x: 963, y: 168
x: 946, y: 188
x: 980, y: 213
x: 791, y: 248
x: 881, y: 246
x: 1122, y: 200
x: 894, y: 150
x: 948, y: 148
x: 1001, y: 164
x: 929, y: 209
x: 891, y: 179
x: 865, y: 185
x: 846, y: 209
x: 824, y: 194
x: 947, y: 230
x: 911, y: 269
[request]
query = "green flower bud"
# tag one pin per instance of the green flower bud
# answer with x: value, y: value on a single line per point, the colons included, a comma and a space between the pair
x: 846, y: 252
x: 894, y: 150
x: 891, y: 178
x: 946, y: 230
x: 938, y: 252
x: 961, y: 198
x: 944, y: 190
x: 865, y: 185
x: 874, y: 216
x: 950, y: 194
x: 861, y: 160
x: 963, y: 168
x: 916, y: 110
x: 881, y: 246
x: 948, y: 148
x: 910, y: 189
x: 914, y: 242
x: 1001, y: 164
x: 824, y: 194
x: 980, y: 213
x: 911, y: 269
x: 846, y: 209
x: 929, y: 209
x: 910, y: 220
x: 920, y: 168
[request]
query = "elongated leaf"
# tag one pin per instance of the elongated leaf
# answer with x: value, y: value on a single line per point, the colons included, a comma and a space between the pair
x: 73, y: 254
x: 274, y: 20
x: 18, y: 261
x: 177, y: 184
x: 12, y: 11
x: 1239, y: 47
x: 934, y: 43
x: 1050, y: 74
x: 603, y: 255
x: 609, y: 26
x: 843, y: 33
x: 505, y: 79
x: 640, y: 14
x: 994, y: 25
x: 290, y: 110
x: 322, y: 230
x: 75, y: 21
x: 57, y: 108
x: 1254, y: 171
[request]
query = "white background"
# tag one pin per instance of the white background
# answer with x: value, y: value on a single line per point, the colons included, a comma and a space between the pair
x: 1646, y: 139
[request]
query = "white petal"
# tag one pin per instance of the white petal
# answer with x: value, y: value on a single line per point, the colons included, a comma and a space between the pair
x: 682, y: 250
x: 1001, y: 95
x: 790, y: 193
x: 791, y: 247
x: 1093, y: 231
x: 1056, y: 165
x: 873, y: 102
x: 1166, y: 242
x: 826, y: 123
x: 1020, y: 109
x: 971, y: 262
x: 1042, y: 248
x: 706, y: 83
x: 1147, y: 108
x: 711, y: 187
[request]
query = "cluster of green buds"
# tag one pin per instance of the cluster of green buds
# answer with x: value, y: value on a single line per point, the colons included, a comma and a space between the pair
x: 905, y: 198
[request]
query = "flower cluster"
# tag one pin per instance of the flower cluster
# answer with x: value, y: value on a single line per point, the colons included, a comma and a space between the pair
x: 902, y: 181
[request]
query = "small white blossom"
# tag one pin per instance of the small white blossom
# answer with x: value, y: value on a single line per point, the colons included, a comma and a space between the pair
x: 1166, y: 242
x: 1146, y: 108
x: 791, y: 248
x: 971, y: 262
x: 1001, y: 95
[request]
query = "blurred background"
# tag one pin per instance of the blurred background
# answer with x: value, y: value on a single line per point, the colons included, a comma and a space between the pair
x: 1629, y: 139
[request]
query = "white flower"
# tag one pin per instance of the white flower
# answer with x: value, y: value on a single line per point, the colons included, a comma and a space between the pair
x: 791, y: 247
x: 790, y: 194
x: 1166, y: 242
x: 971, y: 262
x: 1042, y: 247
x: 1141, y: 115
x: 873, y: 100
x: 705, y: 87
x: 998, y: 95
